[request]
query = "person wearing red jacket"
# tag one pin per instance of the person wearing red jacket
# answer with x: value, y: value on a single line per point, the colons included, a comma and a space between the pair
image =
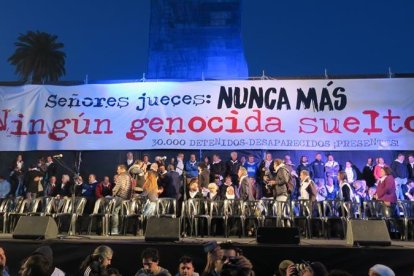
x: 386, y: 191
x: 104, y: 188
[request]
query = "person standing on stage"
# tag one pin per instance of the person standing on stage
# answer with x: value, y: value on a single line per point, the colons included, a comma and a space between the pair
x: 280, y: 181
x: 265, y: 166
x: 191, y: 168
x: 400, y: 172
x: 179, y: 164
x: 251, y: 166
x: 217, y: 168
x: 147, y: 163
x: 137, y: 172
x: 332, y: 169
x: 130, y: 160
x: 317, y: 168
x: 207, y: 162
x: 245, y: 190
x: 223, y: 187
x: 308, y: 190
x: 165, y: 183
x: 351, y: 174
x: 345, y: 192
x: 386, y: 188
x: 176, y: 180
x: 378, y: 168
x: 303, y: 166
x: 232, y: 167
x: 17, y: 176
x: 51, y: 166
x: 121, y: 191
x: 368, y: 172
x: 410, y: 166
x: 203, y: 175
x: 295, y: 181
x: 32, y: 182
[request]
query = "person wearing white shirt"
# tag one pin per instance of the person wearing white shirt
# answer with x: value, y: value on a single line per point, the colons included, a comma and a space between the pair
x: 332, y: 169
x: 180, y: 164
x: 306, y: 185
x: 351, y: 175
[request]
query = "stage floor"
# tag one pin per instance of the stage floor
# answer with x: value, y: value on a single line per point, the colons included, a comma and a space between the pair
x: 334, y: 253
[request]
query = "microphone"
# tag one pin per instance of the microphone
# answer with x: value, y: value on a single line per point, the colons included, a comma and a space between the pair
x: 58, y: 156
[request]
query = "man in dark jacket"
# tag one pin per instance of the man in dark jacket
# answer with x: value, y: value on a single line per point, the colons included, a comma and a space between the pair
x: 166, y: 184
x: 303, y: 165
x: 217, y: 168
x: 400, y: 173
x: 280, y: 181
x: 410, y: 166
x: 176, y: 180
x: 32, y: 182
x: 232, y: 167
x: 317, y: 169
x: 51, y: 167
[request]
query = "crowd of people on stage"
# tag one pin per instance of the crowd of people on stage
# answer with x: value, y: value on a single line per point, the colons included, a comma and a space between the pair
x: 214, y: 178
x: 224, y: 259
x: 236, y: 178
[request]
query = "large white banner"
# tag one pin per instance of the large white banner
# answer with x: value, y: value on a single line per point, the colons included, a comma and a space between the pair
x: 363, y: 114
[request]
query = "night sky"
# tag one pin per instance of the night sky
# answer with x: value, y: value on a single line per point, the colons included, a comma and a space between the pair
x: 109, y: 39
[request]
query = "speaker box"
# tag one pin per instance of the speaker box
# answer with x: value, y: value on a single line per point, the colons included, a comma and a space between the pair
x: 34, y: 227
x: 162, y: 229
x: 278, y: 235
x: 367, y: 232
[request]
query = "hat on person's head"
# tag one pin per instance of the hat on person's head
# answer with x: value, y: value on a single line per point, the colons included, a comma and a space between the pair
x: 382, y: 270
x: 45, y: 251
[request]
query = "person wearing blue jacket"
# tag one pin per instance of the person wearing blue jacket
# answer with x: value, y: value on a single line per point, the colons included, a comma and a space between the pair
x: 317, y: 168
x: 191, y: 167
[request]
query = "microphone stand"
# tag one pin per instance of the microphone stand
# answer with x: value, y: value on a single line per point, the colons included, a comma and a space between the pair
x: 184, y: 203
x: 184, y: 186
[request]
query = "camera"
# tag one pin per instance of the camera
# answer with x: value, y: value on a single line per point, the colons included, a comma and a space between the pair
x: 160, y: 158
x: 299, y: 268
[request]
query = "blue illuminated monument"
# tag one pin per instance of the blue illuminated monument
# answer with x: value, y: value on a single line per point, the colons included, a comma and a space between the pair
x: 196, y: 39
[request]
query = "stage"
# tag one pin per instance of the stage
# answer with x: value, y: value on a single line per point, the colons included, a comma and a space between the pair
x: 69, y: 251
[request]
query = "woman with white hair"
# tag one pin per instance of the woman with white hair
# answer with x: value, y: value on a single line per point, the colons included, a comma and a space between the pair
x: 213, y: 192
